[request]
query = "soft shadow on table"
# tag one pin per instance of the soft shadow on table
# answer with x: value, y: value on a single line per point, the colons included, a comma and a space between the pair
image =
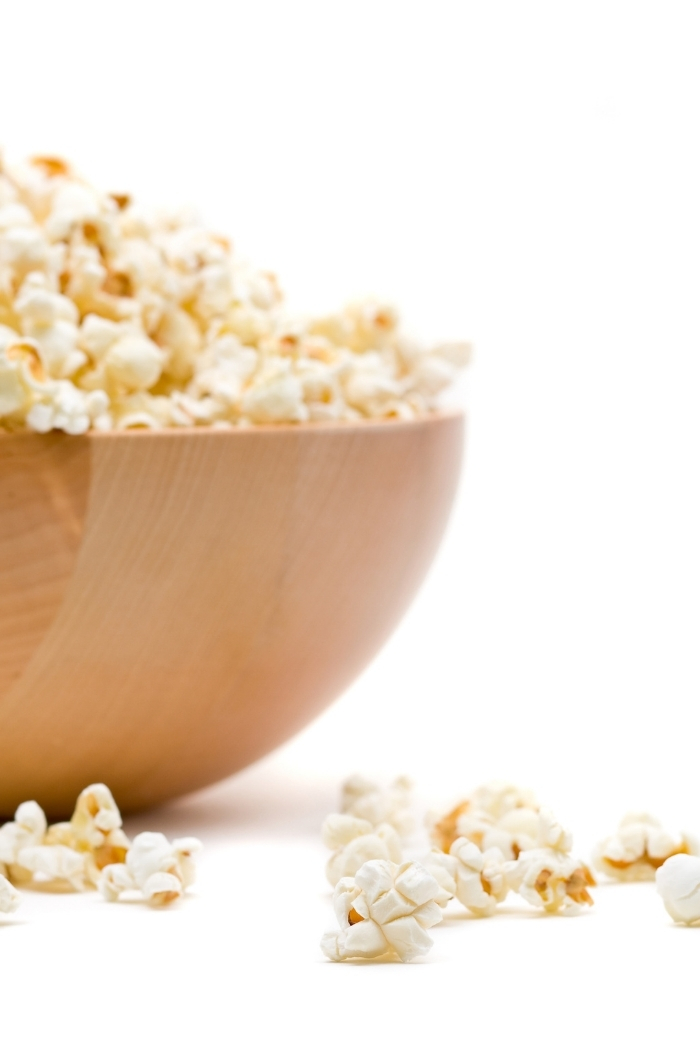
x: 263, y: 800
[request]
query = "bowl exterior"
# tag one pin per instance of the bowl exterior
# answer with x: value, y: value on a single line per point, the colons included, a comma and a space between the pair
x: 175, y: 604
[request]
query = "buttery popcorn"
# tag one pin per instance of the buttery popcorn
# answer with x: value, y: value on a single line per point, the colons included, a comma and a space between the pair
x: 160, y: 870
x: 638, y: 849
x: 113, y: 318
x: 678, y: 883
x: 355, y: 841
x: 383, y: 913
x: 368, y: 800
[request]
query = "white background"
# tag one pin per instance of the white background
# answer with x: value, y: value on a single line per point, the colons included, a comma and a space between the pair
x: 524, y: 174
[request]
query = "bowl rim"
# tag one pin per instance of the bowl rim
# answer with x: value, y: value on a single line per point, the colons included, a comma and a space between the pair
x: 320, y: 426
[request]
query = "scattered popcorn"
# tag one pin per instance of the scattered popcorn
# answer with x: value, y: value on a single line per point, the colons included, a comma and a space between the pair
x: 678, y: 883
x: 97, y: 297
x: 384, y: 912
x: 550, y: 879
x: 638, y: 849
x: 160, y: 870
x: 355, y: 841
x: 365, y: 799
x: 91, y: 849
x: 9, y: 897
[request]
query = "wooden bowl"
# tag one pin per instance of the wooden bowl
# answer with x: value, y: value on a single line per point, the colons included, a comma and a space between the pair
x: 174, y: 604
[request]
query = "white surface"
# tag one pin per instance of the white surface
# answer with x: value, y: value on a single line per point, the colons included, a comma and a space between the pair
x: 524, y: 174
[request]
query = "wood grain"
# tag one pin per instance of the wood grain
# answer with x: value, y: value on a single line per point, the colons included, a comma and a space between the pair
x: 175, y: 604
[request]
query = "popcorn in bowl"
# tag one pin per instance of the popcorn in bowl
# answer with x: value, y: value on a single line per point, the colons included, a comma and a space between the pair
x: 114, y: 318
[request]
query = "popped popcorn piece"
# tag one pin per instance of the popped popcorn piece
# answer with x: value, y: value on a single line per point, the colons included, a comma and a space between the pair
x: 159, y: 869
x: 678, y: 883
x: 95, y: 830
x: 480, y: 877
x: 443, y: 829
x: 368, y: 800
x: 551, y: 834
x: 443, y: 868
x: 54, y: 863
x: 384, y: 912
x: 550, y: 879
x: 61, y: 406
x: 496, y: 815
x: 638, y: 849
x: 498, y: 797
x: 9, y: 897
x: 118, y: 301
x: 26, y: 830
x: 355, y: 841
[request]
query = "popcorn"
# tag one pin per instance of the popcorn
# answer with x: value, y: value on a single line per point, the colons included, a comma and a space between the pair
x: 638, y: 849
x: 94, y: 831
x: 91, y: 849
x: 113, y: 300
x: 25, y: 831
x: 678, y: 883
x: 384, y: 912
x: 550, y: 879
x: 365, y: 799
x: 355, y: 841
x: 498, y: 798
x: 480, y: 878
x: 61, y: 406
x: 9, y: 897
x: 497, y: 815
x: 53, y: 863
x: 159, y: 869
x: 443, y: 868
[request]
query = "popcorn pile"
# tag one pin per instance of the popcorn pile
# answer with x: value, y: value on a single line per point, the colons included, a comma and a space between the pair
x: 113, y: 318
x: 497, y: 841
x: 91, y: 851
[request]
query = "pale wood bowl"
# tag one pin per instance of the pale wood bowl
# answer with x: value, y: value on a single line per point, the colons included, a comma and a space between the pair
x: 174, y: 604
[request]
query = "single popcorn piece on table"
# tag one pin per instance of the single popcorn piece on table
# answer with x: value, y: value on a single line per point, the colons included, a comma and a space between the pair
x: 497, y: 815
x: 383, y: 913
x: 551, y: 880
x: 355, y: 841
x: 94, y: 831
x: 160, y: 870
x: 9, y: 897
x: 27, y: 829
x: 368, y: 800
x: 118, y: 302
x: 479, y: 879
x: 639, y: 847
x: 678, y: 883
x: 548, y: 876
